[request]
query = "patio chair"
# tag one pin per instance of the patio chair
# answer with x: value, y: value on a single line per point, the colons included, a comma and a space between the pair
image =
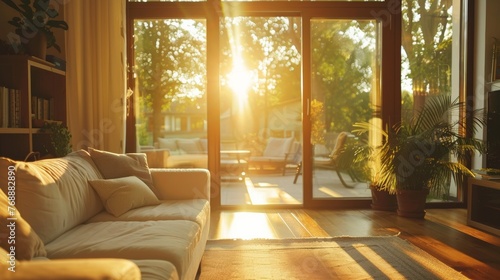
x: 279, y: 153
x: 331, y: 162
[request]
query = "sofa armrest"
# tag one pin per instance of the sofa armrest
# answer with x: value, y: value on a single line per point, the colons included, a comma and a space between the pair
x: 185, y: 183
x: 72, y: 269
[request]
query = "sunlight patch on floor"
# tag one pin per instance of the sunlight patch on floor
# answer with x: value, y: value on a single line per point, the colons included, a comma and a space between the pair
x: 379, y: 262
x: 264, y: 193
x: 267, y: 224
x: 245, y: 225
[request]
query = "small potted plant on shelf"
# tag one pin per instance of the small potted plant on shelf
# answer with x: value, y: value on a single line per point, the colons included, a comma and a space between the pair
x: 34, y: 26
x: 424, y: 153
x: 60, y: 138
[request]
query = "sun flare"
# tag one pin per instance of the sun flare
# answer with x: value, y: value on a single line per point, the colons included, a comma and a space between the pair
x: 240, y: 80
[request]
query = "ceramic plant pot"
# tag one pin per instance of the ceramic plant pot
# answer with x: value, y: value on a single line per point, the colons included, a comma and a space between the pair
x: 383, y: 200
x: 411, y: 203
x: 37, y: 46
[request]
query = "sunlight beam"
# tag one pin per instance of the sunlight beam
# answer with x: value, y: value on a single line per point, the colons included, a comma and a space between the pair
x: 240, y: 80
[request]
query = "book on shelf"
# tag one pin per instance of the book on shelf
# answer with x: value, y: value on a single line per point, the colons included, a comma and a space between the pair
x: 4, y: 107
x: 42, y: 108
x: 10, y: 107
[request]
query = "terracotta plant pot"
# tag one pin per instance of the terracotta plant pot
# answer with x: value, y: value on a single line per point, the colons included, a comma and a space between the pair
x: 383, y: 200
x: 411, y: 203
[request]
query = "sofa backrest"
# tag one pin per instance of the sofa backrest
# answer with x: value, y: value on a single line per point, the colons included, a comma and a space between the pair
x: 53, y: 195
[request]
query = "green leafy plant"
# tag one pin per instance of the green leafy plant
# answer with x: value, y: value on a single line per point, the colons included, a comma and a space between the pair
x: 429, y: 149
x: 36, y: 16
x: 60, y: 138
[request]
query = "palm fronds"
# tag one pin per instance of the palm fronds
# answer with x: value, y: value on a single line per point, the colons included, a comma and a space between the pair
x: 429, y: 149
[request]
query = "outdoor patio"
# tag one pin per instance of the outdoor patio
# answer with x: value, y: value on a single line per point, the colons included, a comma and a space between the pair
x: 274, y: 188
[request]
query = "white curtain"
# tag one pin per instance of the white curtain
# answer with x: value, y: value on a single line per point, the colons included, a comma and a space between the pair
x: 95, y: 73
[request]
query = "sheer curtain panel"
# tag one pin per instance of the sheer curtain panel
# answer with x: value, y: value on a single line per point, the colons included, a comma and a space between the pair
x: 96, y: 80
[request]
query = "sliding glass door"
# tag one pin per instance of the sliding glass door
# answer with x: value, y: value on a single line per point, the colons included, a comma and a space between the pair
x: 345, y: 90
x: 259, y: 93
x: 260, y: 110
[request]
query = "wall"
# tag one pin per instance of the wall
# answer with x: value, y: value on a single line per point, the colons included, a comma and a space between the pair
x: 7, y: 13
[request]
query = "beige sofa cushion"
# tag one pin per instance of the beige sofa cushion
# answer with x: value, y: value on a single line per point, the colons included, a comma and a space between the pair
x: 75, y: 269
x: 156, y: 269
x: 195, y: 210
x: 53, y: 195
x: 172, y: 241
x: 20, y: 235
x: 122, y: 194
x: 114, y: 165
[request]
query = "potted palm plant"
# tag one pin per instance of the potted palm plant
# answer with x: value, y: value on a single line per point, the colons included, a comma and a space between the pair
x: 424, y: 153
x: 34, y: 25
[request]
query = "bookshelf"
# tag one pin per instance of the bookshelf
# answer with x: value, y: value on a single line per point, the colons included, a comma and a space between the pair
x: 41, y: 90
x: 483, y: 209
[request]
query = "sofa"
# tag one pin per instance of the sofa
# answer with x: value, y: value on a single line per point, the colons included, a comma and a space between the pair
x: 99, y: 215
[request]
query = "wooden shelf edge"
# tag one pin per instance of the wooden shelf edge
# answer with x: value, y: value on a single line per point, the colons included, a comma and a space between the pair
x: 11, y: 130
x: 33, y: 61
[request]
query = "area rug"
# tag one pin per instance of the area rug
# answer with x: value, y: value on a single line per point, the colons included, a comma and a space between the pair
x: 321, y: 258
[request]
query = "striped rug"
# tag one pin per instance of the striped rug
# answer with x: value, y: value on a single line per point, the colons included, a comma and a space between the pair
x: 321, y: 258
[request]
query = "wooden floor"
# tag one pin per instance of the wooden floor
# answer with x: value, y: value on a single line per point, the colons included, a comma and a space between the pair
x: 443, y: 233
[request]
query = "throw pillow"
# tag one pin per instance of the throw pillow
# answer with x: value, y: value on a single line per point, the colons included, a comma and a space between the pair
x: 122, y: 194
x: 13, y: 228
x: 114, y: 165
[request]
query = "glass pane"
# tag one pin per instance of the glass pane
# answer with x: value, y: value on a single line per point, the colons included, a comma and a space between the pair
x: 345, y: 90
x: 170, y: 94
x: 430, y: 59
x: 260, y: 110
